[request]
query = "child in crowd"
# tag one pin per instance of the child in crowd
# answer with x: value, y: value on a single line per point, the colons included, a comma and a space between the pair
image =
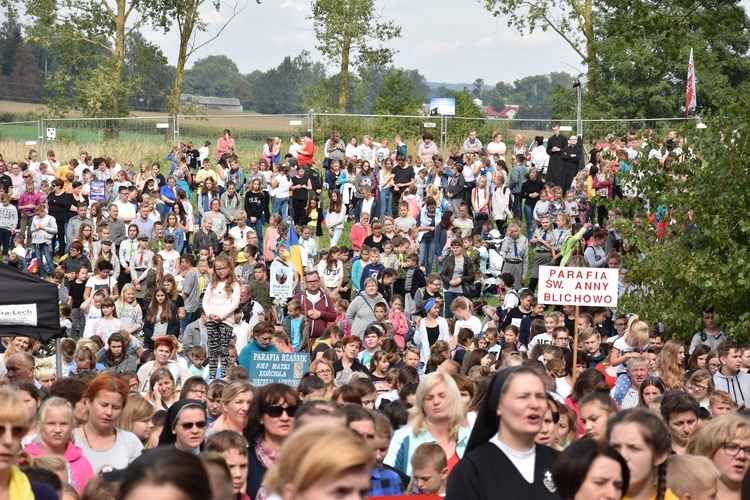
x: 429, y: 470
x: 341, y: 306
x: 398, y: 320
x: 390, y: 259
x: 372, y: 338
x: 374, y: 269
x: 197, y: 359
x: 550, y: 323
x: 294, y: 324
x: 358, y: 268
x: 596, y: 409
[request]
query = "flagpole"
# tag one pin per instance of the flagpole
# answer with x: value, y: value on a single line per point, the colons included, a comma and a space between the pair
x: 690, y: 98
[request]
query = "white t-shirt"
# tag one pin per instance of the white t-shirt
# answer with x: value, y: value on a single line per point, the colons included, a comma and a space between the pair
x: 126, y: 210
x: 330, y: 277
x: 542, y: 338
x: 171, y: 261
x: 496, y: 147
x: 467, y: 226
x: 93, y: 314
x: 282, y: 190
x: 474, y: 324
x: 240, y: 236
x: 624, y: 348
x: 96, y: 283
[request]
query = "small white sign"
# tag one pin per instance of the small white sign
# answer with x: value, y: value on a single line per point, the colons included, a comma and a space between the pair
x: 578, y: 286
x: 18, y: 315
x: 430, y: 125
x: 162, y: 125
x: 31, y: 143
x: 51, y: 134
x: 282, y: 280
x: 566, y: 128
x: 295, y: 123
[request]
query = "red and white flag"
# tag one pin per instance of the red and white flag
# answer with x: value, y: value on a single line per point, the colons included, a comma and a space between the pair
x: 690, y: 100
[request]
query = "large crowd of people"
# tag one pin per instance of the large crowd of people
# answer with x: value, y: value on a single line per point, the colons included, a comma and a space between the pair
x: 413, y: 386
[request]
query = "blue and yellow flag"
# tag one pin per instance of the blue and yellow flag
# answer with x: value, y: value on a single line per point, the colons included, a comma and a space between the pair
x: 294, y: 253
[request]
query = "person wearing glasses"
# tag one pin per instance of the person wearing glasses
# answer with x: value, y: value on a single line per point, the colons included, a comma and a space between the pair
x: 726, y: 441
x: 318, y: 307
x: 221, y: 299
x: 272, y: 417
x: 433, y: 290
x: 185, y: 427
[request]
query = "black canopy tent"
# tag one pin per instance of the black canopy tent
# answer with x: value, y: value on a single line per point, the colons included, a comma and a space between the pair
x: 28, y: 307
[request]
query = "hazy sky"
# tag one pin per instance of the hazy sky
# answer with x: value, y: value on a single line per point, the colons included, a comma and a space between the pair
x: 453, y: 41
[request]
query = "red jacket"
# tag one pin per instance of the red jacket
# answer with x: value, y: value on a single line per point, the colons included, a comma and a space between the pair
x: 325, y: 305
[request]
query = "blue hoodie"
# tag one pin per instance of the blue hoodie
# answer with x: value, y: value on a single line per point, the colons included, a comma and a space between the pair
x: 246, y: 356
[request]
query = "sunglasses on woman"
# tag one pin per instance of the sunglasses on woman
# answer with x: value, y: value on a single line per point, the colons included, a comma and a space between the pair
x: 276, y: 411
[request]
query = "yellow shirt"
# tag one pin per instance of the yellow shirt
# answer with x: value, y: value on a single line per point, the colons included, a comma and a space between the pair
x: 202, y: 174
x: 668, y: 495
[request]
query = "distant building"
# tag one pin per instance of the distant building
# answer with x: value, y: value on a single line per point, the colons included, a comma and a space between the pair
x: 507, y: 113
x: 218, y: 103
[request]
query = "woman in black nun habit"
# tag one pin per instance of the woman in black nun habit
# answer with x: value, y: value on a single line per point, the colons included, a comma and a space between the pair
x: 502, y: 460
x: 185, y: 426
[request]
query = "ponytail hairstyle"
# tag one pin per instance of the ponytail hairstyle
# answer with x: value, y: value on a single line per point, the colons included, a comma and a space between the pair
x: 566, y: 217
x: 331, y: 262
x: 158, y: 263
x: 655, y: 434
x: 636, y: 333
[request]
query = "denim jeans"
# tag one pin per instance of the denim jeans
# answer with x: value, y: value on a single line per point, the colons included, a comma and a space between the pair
x: 336, y: 235
x: 528, y: 214
x: 426, y: 254
x: 266, y: 213
x: 5, y: 237
x: 43, y: 250
x: 281, y: 207
x: 517, y: 204
x: 184, y: 322
x: 258, y: 226
x: 449, y: 298
x: 386, y: 200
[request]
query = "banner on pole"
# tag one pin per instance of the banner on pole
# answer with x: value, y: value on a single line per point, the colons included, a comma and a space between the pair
x: 578, y: 286
x: 690, y: 99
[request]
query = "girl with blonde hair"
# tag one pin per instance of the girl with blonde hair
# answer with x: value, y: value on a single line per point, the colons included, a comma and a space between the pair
x: 56, y: 424
x: 670, y: 365
x: 323, y: 369
x: 306, y: 468
x: 221, y: 299
x: 631, y: 345
x: 136, y: 418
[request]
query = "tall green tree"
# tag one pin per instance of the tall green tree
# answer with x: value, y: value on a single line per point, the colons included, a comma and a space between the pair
x: 571, y: 20
x: 25, y: 79
x: 351, y: 34
x: 96, y: 29
x: 396, y: 96
x: 283, y: 89
x: 215, y: 76
x: 146, y: 61
x: 702, y: 257
x: 188, y: 20
x: 643, y: 57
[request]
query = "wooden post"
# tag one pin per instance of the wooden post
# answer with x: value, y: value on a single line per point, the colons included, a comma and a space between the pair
x: 575, y: 346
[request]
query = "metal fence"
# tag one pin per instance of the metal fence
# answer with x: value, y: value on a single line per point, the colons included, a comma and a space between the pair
x: 251, y: 130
